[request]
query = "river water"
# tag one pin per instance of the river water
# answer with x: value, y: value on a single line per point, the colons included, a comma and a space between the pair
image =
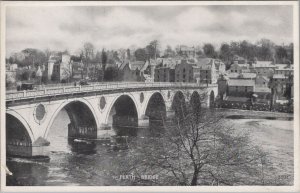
x: 93, y: 164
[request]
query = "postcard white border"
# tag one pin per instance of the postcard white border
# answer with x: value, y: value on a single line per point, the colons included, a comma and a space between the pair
x: 294, y: 188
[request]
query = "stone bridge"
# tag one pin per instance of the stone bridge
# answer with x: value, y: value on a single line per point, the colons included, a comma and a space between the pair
x: 93, y: 109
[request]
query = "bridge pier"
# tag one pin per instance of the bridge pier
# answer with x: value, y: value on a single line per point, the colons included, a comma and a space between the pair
x: 105, y: 131
x: 143, y: 121
x: 81, y: 131
x: 170, y: 114
x: 25, y: 149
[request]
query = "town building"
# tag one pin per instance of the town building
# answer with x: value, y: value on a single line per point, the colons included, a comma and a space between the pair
x: 208, y: 70
x: 279, y: 78
x: 53, y: 67
x: 239, y: 68
x: 246, y: 75
x: 264, y: 68
x: 77, y: 69
x: 240, y: 87
x: 165, y: 70
x: 239, y: 60
x: 285, y: 69
x: 186, y: 71
x: 59, y: 67
x: 136, y: 71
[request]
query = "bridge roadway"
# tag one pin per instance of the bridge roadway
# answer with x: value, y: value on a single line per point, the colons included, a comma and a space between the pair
x: 93, y: 109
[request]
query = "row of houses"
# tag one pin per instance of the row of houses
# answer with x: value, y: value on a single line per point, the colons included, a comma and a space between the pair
x: 244, y: 80
x: 201, y: 70
x: 179, y: 69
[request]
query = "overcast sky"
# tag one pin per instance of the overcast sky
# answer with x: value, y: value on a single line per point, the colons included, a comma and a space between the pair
x: 60, y: 28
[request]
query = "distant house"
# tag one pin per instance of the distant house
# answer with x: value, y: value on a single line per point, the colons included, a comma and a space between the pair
x: 264, y: 68
x: 240, y: 87
x: 220, y: 66
x: 65, y: 68
x: 59, y: 67
x: 263, y: 95
x: 279, y: 78
x: 53, y: 66
x: 239, y: 68
x: 239, y: 60
x: 246, y: 75
x: 77, y: 69
x: 13, y: 67
x: 284, y: 69
x: 132, y: 71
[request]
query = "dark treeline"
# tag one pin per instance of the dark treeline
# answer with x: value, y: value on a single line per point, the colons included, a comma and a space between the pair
x: 264, y: 50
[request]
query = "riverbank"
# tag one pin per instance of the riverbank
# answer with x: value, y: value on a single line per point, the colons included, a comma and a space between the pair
x: 252, y: 114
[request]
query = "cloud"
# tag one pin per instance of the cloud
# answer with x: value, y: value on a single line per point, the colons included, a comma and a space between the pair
x: 60, y: 28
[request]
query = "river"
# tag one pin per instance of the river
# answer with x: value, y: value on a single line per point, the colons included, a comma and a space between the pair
x: 92, y: 165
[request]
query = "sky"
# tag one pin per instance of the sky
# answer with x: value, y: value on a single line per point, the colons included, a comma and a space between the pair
x: 114, y: 27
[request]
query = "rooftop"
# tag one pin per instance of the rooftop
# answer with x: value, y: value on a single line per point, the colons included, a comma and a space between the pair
x: 136, y: 65
x: 264, y: 64
x: 242, y: 75
x: 264, y: 77
x: 240, y: 82
x: 262, y: 89
x: 279, y: 76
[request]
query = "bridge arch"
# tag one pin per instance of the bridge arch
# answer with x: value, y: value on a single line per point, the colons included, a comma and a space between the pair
x: 156, y: 107
x: 19, y: 136
x: 124, y: 104
x: 14, y: 121
x: 80, y: 112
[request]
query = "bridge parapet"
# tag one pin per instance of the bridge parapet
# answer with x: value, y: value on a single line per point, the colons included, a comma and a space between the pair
x: 97, y: 87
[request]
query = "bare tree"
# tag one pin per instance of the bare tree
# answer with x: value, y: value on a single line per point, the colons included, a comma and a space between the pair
x: 199, y: 149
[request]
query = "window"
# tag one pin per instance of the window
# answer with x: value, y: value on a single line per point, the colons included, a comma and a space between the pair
x: 246, y: 89
x: 236, y: 88
x: 235, y: 70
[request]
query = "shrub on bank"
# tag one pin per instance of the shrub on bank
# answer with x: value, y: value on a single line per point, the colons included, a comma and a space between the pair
x: 285, y: 108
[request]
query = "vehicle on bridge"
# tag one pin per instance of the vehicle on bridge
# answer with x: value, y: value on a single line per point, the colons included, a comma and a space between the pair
x: 83, y: 82
x: 26, y: 86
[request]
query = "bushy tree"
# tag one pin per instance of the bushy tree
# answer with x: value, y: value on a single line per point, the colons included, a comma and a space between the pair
x: 209, y: 51
x: 140, y: 54
x: 153, y: 49
x: 111, y: 74
x: 226, y: 53
x: 169, y: 52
